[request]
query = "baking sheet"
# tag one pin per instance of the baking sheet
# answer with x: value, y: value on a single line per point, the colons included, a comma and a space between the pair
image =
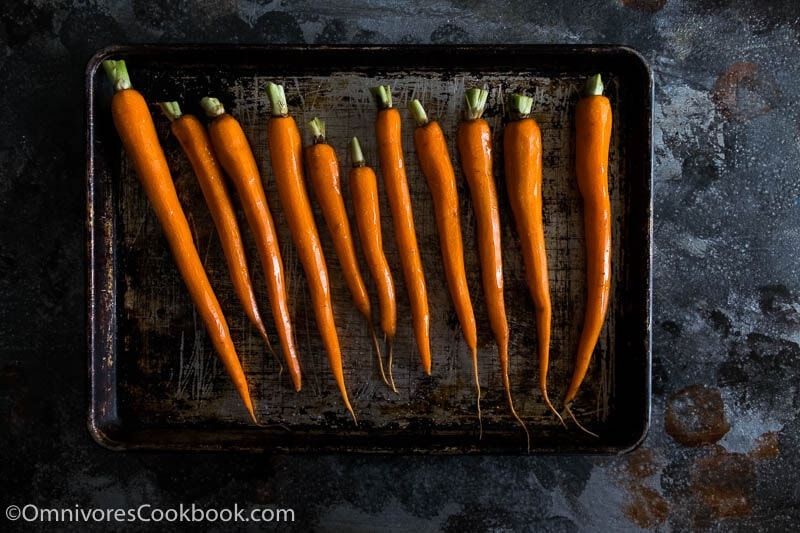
x: 155, y: 379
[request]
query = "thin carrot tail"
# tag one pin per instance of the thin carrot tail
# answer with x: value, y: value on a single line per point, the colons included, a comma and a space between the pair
x: 552, y: 408
x: 248, y: 403
x: 347, y: 404
x: 543, y: 388
x: 377, y: 348
x: 390, y: 349
x: 507, y: 384
x: 350, y: 409
x: 262, y: 331
x: 574, y: 419
x: 477, y: 390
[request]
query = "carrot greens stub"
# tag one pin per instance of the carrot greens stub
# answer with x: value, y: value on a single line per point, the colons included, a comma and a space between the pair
x: 520, y: 106
x: 277, y: 100
x: 594, y: 86
x: 475, y: 103
x: 212, y: 106
x: 172, y: 110
x: 418, y: 112
x: 117, y: 72
x: 317, y: 129
x: 382, y: 95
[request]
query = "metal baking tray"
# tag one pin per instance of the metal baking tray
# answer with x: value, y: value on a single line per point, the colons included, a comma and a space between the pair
x: 155, y: 381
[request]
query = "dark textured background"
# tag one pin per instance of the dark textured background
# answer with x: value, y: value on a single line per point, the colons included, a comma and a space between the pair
x: 723, y: 447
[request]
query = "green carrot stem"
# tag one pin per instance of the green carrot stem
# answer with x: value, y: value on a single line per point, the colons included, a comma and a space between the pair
x: 476, y: 103
x: 317, y: 128
x: 382, y: 95
x: 277, y: 99
x: 418, y: 112
x: 212, y: 106
x: 355, y: 153
x: 171, y: 109
x: 594, y: 86
x: 117, y: 72
x: 520, y: 105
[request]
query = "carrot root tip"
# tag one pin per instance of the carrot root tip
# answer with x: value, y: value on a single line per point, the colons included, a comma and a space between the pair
x: 580, y: 426
x: 390, y: 344
x: 377, y: 349
x: 552, y: 408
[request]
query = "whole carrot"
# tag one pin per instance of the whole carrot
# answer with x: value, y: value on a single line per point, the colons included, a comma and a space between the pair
x: 135, y: 126
x: 592, y: 140
x: 522, y: 151
x: 392, y: 165
x: 285, y: 150
x: 194, y: 140
x: 437, y: 167
x: 364, y: 193
x: 236, y: 157
x: 474, y: 140
x: 323, y: 173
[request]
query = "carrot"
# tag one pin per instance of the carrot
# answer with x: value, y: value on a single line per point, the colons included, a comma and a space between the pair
x: 437, y: 167
x: 137, y: 132
x: 592, y: 140
x: 196, y: 144
x: 392, y: 164
x: 323, y: 173
x: 522, y: 151
x: 285, y: 151
x: 236, y: 157
x: 474, y: 140
x: 364, y: 193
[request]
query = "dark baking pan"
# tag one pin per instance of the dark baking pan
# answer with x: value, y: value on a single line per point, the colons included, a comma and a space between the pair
x: 155, y: 381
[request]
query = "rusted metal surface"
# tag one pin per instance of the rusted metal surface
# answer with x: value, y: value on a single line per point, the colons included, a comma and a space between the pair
x: 156, y: 380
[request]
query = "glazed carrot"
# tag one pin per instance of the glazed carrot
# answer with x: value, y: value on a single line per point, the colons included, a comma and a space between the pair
x: 364, y: 193
x: 285, y: 150
x: 236, y: 157
x: 194, y: 140
x: 135, y: 126
x: 522, y: 155
x: 592, y: 140
x: 322, y: 165
x: 392, y: 165
x: 437, y: 167
x: 474, y: 140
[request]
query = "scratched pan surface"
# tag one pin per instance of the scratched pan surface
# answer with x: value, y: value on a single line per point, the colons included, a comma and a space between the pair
x: 155, y: 381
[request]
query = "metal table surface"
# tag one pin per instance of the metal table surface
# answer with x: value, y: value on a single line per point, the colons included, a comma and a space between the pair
x: 722, y: 449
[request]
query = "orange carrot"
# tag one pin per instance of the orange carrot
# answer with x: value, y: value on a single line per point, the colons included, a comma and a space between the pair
x: 285, y: 151
x: 323, y: 173
x: 474, y: 140
x: 364, y: 192
x: 236, y: 157
x: 194, y: 140
x: 522, y: 151
x: 135, y: 126
x: 592, y: 141
x: 392, y: 164
x: 436, y: 165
